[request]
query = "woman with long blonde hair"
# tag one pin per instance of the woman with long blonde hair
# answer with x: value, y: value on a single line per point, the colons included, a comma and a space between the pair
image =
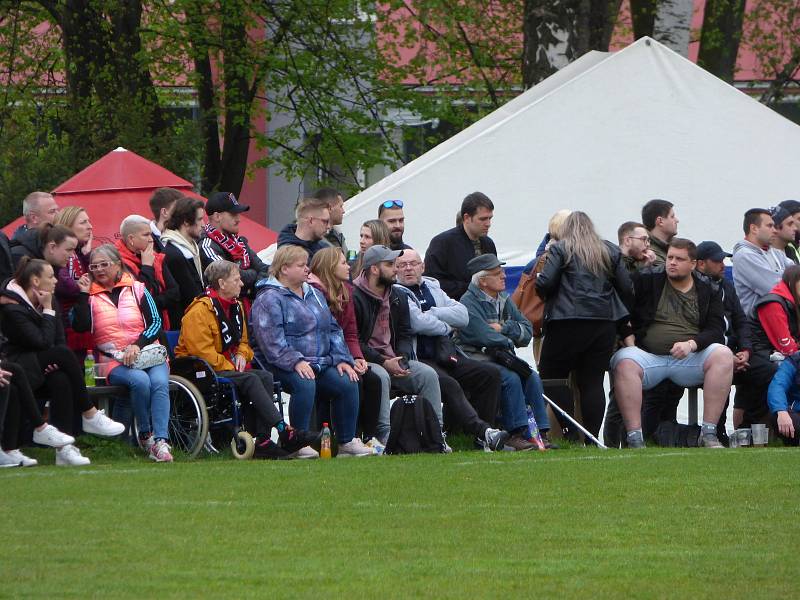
x: 586, y: 289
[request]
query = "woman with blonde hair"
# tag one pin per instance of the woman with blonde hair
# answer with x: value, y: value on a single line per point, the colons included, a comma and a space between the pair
x: 373, y: 233
x: 586, y: 289
x: 77, y: 220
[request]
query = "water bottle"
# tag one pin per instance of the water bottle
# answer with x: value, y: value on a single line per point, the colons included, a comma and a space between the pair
x: 88, y: 370
x: 325, y: 444
x: 533, y: 431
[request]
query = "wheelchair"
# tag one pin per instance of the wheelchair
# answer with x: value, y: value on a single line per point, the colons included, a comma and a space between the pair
x: 212, y: 417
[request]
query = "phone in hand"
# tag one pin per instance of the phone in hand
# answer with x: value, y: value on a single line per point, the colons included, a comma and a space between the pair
x: 403, y: 364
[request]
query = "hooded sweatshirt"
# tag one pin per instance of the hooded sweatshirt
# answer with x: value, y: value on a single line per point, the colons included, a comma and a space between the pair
x: 288, y: 237
x: 755, y: 272
x: 381, y: 338
x: 188, y: 248
x: 775, y: 321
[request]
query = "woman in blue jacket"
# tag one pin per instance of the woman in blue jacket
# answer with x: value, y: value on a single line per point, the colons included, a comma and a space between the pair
x: 783, y: 398
x: 305, y: 348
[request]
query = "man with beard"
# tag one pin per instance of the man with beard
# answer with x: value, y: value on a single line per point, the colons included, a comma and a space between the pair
x: 677, y: 326
x: 182, y: 254
x: 391, y: 213
x: 634, y: 242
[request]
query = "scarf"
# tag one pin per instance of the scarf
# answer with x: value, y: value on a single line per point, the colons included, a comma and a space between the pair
x: 232, y: 244
x: 134, y: 262
x: 229, y: 319
x: 187, y: 246
x: 75, y: 267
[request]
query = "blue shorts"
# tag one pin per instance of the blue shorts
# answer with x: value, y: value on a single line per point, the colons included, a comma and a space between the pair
x: 686, y: 372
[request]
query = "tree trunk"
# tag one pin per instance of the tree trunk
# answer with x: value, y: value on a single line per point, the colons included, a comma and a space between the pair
x: 673, y: 23
x: 720, y: 37
x: 643, y: 16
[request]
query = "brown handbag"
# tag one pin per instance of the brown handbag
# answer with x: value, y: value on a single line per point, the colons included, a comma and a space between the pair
x: 526, y: 298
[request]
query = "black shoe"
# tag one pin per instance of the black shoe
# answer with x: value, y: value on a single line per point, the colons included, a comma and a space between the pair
x: 292, y: 440
x: 270, y: 450
x: 546, y: 440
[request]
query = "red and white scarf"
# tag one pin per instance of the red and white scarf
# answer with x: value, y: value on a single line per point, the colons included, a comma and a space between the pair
x: 232, y: 244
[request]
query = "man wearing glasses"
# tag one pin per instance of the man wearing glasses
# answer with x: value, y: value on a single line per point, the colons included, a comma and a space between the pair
x: 635, y: 245
x: 313, y: 221
x: 391, y: 213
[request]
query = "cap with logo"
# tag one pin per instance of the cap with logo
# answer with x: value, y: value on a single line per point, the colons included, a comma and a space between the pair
x: 484, y: 262
x: 224, y: 202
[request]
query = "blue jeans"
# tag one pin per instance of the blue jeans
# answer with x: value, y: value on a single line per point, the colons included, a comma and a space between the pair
x: 329, y: 384
x: 149, y: 391
x: 514, y: 396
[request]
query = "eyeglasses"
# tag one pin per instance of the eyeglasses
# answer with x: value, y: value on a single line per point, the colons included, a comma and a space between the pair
x: 644, y: 239
x: 101, y: 265
x: 393, y: 204
x: 409, y: 265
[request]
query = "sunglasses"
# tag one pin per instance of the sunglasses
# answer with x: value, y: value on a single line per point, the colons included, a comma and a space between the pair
x: 393, y: 204
x: 101, y: 265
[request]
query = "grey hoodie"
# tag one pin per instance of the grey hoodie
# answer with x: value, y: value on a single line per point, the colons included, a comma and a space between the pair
x: 755, y: 272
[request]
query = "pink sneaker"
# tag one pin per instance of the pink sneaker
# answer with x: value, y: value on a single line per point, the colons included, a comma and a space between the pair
x: 160, y: 452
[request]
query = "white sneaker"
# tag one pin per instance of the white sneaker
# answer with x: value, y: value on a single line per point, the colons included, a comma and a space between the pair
x: 100, y: 424
x: 26, y: 461
x: 8, y: 461
x: 160, y: 452
x: 69, y: 455
x: 354, y: 447
x: 50, y: 436
x: 305, y: 452
x: 377, y: 448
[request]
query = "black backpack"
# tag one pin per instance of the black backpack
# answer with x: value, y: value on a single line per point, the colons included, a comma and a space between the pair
x: 670, y: 434
x: 414, y: 427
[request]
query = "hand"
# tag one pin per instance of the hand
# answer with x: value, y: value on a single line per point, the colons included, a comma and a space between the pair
x: 345, y: 369
x: 84, y: 283
x: 361, y: 366
x: 45, y: 299
x: 51, y: 368
x: 629, y: 341
x: 682, y: 349
x: 239, y: 363
x: 148, y: 254
x: 496, y: 326
x: 785, y: 424
x: 87, y: 247
x: 303, y: 368
x: 741, y: 361
x: 129, y: 357
x: 393, y: 367
x: 5, y: 377
x: 649, y: 257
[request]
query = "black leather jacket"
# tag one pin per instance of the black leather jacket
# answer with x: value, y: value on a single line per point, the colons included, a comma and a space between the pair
x: 572, y: 292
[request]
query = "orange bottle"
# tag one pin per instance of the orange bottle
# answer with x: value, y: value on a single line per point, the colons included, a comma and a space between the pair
x: 325, y: 443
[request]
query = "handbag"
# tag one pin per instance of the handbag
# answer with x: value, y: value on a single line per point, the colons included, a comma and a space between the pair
x: 528, y: 300
x: 509, y: 360
x: 446, y: 354
x: 151, y: 355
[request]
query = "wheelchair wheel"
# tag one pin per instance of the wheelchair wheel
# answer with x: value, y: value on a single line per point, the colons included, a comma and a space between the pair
x: 242, y: 445
x: 188, y: 418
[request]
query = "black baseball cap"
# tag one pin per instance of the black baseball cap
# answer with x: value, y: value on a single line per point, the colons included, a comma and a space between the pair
x: 792, y: 206
x: 711, y: 250
x: 224, y: 202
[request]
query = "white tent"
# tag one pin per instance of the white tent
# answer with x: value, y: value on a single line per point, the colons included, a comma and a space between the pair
x: 603, y: 135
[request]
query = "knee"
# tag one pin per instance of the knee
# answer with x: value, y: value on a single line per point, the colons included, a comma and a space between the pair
x: 721, y: 357
x: 138, y: 380
x: 627, y: 368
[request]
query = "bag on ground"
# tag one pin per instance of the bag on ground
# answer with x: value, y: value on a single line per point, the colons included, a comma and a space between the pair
x: 414, y: 427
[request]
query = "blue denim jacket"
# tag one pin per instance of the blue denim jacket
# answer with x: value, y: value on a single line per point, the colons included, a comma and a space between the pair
x: 290, y: 328
x: 783, y: 392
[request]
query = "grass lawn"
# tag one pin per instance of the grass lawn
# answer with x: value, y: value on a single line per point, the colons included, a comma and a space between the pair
x: 647, y: 524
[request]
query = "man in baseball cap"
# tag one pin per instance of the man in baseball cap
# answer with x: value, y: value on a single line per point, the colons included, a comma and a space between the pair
x: 792, y: 207
x: 221, y: 240
x: 379, y: 254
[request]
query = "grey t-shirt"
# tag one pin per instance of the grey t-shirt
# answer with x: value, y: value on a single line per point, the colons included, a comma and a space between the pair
x: 677, y: 319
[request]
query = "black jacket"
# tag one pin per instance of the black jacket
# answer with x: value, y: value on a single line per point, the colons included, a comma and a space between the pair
x: 6, y: 259
x: 572, y: 292
x: 367, y: 308
x: 187, y: 279
x: 447, y: 257
x: 26, y: 242
x: 211, y: 251
x: 288, y: 237
x: 647, y: 288
x: 738, y: 329
x: 29, y: 332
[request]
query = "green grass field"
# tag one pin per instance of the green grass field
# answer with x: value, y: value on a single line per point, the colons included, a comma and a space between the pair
x: 570, y: 523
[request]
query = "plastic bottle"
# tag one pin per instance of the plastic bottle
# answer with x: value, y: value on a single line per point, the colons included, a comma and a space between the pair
x: 325, y: 443
x: 88, y: 370
x: 533, y: 431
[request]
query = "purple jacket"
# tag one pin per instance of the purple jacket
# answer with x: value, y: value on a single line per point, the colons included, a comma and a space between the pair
x: 67, y: 290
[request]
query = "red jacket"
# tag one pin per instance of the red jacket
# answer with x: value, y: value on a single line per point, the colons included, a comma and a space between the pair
x: 775, y: 321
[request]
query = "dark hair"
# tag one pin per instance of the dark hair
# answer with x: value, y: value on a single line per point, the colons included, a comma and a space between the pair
x: 163, y: 198
x: 54, y: 233
x: 684, y: 244
x: 327, y: 194
x: 27, y: 269
x: 185, y: 212
x: 753, y: 217
x: 627, y: 228
x: 474, y: 201
x: 654, y: 209
x: 791, y: 275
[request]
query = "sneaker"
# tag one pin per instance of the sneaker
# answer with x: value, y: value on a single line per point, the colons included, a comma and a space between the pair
x: 69, y: 455
x: 517, y: 443
x: 269, y: 450
x: 8, y: 461
x: 635, y: 440
x: 354, y: 447
x: 708, y: 440
x: 147, y: 443
x: 307, y: 452
x: 492, y: 440
x: 160, y: 451
x: 377, y: 448
x: 50, y: 436
x: 101, y: 425
x: 293, y: 440
x: 26, y: 461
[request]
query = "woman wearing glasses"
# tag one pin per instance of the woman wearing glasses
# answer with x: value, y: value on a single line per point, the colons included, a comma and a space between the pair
x: 36, y: 341
x: 123, y: 318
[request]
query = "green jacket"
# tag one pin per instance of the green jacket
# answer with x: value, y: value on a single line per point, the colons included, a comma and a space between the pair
x: 516, y: 329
